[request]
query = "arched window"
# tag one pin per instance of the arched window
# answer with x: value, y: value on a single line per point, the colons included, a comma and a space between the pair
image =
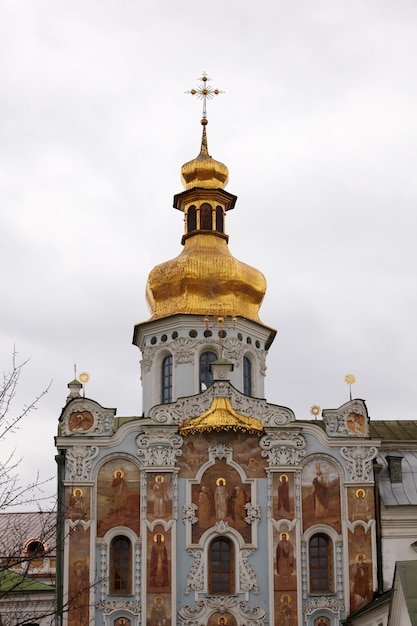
x: 191, y: 219
x: 34, y: 549
x: 221, y: 567
x: 206, y: 377
x: 205, y: 217
x: 247, y: 376
x: 166, y: 379
x: 219, y: 219
x: 321, y: 564
x: 120, y: 565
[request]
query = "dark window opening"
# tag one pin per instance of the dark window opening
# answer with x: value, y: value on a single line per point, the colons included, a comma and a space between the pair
x: 120, y: 559
x: 206, y: 377
x: 247, y: 376
x: 221, y: 567
x: 206, y: 217
x: 191, y: 219
x: 166, y: 386
x: 219, y: 219
x: 321, y: 564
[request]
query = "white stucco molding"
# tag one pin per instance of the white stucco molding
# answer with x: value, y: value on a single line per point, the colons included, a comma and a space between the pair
x: 194, y: 406
x: 359, y: 462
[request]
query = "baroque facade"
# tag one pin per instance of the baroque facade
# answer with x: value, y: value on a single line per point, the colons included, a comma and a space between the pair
x: 215, y: 507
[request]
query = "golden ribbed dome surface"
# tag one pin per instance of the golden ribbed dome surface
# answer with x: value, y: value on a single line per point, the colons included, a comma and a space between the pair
x: 205, y: 279
x: 221, y: 416
x: 204, y: 171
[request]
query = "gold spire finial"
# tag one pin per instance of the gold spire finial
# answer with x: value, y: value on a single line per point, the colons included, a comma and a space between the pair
x: 204, y: 92
x: 350, y: 380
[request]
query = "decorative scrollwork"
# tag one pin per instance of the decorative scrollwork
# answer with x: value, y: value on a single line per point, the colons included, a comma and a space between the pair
x: 159, y: 447
x: 79, y: 461
x: 253, y: 513
x: 188, y: 513
x: 283, y: 448
x: 359, y: 461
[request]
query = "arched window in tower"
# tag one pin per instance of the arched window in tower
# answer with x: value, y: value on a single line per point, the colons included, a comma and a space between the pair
x: 321, y: 564
x: 206, y: 217
x: 247, y: 376
x: 166, y: 379
x: 206, y: 377
x: 120, y: 565
x: 219, y: 219
x: 221, y: 567
x: 191, y: 219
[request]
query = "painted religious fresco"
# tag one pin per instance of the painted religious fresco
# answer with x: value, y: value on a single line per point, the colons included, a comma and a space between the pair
x: 80, y: 421
x: 223, y: 619
x: 122, y: 621
x: 360, y: 567
x: 285, y: 609
x: 283, y: 496
x: 285, y: 570
x: 79, y: 576
x: 355, y: 424
x: 159, y: 560
x: 321, y: 494
x: 322, y: 621
x: 360, y: 503
x: 158, y: 610
x: 159, y: 501
x: 221, y: 496
x: 118, y: 496
x: 246, y: 452
x: 77, y: 504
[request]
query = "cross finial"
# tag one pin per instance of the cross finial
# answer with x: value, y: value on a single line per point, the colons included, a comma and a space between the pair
x: 204, y: 92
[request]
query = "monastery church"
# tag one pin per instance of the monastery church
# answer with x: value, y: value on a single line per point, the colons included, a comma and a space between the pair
x: 216, y: 507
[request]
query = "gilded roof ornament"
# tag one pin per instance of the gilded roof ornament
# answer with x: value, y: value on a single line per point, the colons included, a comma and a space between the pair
x: 204, y: 171
x: 204, y: 92
x: 221, y: 416
x: 350, y: 379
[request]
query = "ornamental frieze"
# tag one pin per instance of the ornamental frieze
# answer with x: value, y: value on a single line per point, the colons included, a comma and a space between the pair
x: 194, y: 406
x: 79, y: 461
x: 351, y: 420
x: 283, y: 448
x: 243, y: 612
x: 87, y: 417
x: 159, y: 448
x: 359, y: 461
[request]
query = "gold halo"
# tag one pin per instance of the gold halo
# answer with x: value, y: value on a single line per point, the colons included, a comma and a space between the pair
x: 281, y: 478
x: 159, y: 478
x: 362, y: 556
x: 117, y: 471
x: 281, y: 535
x: 360, y: 493
x: 158, y: 600
x: 74, y: 493
x: 220, y: 481
x: 155, y: 537
x: 84, y: 377
x: 285, y: 595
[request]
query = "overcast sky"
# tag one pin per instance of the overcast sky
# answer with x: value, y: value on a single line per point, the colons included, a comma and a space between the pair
x: 318, y: 126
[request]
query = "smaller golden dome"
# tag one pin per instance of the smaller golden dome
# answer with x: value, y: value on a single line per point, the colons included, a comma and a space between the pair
x: 204, y: 171
x: 221, y: 416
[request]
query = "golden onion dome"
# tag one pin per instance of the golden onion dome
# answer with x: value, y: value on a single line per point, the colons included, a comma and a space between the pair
x: 204, y: 171
x: 205, y: 279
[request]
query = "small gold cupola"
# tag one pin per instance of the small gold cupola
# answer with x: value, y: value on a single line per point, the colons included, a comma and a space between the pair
x: 221, y: 416
x: 205, y: 279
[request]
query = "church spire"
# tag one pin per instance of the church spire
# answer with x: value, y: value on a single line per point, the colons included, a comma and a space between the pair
x: 205, y: 279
